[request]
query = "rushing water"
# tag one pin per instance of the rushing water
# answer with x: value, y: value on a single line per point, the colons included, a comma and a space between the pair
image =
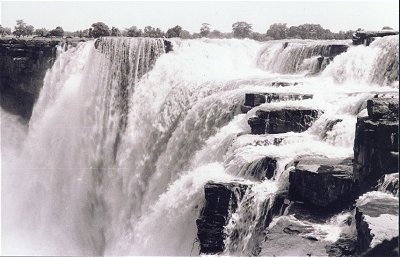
x: 124, y: 136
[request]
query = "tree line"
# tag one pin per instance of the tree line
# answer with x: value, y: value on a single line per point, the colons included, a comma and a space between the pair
x: 240, y: 29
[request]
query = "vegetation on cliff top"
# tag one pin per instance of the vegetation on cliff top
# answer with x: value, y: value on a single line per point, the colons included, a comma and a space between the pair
x: 240, y: 29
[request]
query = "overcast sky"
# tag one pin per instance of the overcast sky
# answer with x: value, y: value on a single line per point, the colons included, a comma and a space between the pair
x: 339, y: 15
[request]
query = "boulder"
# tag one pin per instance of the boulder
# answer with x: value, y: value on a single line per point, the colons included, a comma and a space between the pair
x: 221, y: 200
x: 322, y: 182
x: 283, y: 120
x: 376, y: 218
x: 376, y: 143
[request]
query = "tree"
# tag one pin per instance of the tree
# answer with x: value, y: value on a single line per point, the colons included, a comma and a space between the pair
x: 133, y: 32
x: 185, y: 34
x: 258, y: 36
x: 241, y: 29
x: 41, y: 32
x: 387, y: 28
x: 174, y: 32
x: 114, y: 32
x: 57, y: 32
x: 22, y: 29
x: 278, y: 31
x: 205, y: 29
x: 4, y: 31
x: 99, y: 29
x: 215, y: 34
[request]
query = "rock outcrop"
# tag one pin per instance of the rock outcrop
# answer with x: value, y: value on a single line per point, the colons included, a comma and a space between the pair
x: 376, y: 142
x: 221, y: 201
x: 23, y: 65
x: 366, y: 37
x: 322, y: 182
x: 376, y: 218
x: 282, y: 120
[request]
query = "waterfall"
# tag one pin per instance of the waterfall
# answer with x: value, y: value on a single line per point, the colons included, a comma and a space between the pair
x: 124, y: 137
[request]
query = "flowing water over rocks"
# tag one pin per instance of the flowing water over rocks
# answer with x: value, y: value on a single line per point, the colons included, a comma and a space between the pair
x: 128, y: 146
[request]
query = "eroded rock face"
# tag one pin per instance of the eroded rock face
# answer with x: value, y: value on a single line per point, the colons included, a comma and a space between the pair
x: 366, y: 37
x: 376, y: 142
x: 322, y: 182
x: 23, y: 65
x: 376, y: 218
x: 283, y: 120
x: 221, y: 202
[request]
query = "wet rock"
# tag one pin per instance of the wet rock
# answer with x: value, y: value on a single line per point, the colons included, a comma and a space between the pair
x: 245, y: 108
x: 388, y: 248
x: 283, y: 120
x: 256, y: 99
x: 23, y: 65
x: 322, y: 182
x: 389, y: 183
x: 329, y: 126
x: 221, y: 201
x: 383, y: 108
x: 343, y: 247
x: 168, y: 46
x: 366, y: 37
x: 376, y: 218
x: 288, y: 236
x: 284, y: 84
x: 376, y: 143
x: 260, y: 169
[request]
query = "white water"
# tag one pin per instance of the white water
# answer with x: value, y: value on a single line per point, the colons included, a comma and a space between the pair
x: 115, y: 159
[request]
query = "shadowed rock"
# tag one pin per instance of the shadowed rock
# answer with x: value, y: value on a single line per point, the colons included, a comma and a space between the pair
x: 376, y: 143
x: 322, y: 182
x: 221, y: 202
x: 283, y: 120
x: 23, y: 65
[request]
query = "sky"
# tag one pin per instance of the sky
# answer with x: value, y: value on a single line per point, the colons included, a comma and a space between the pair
x: 77, y: 15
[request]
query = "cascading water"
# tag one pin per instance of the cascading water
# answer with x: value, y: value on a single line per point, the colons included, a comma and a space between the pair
x: 124, y: 136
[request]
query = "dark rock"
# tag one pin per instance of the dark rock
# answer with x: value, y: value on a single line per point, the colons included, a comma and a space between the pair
x: 261, y: 168
x: 168, y: 46
x: 23, y: 65
x: 283, y: 84
x: 322, y: 182
x: 245, y: 108
x: 282, y: 121
x: 256, y: 99
x: 366, y: 37
x: 389, y: 183
x: 370, y: 206
x: 383, y: 108
x: 221, y: 202
x: 376, y: 144
x: 388, y: 248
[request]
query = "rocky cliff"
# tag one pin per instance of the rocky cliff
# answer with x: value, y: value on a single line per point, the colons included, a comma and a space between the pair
x: 23, y: 65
